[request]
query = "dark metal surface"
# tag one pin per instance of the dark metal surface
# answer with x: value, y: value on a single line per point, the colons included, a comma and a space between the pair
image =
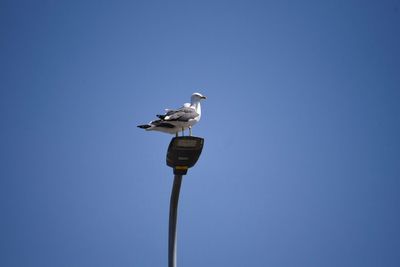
x: 173, y: 215
x: 183, y: 153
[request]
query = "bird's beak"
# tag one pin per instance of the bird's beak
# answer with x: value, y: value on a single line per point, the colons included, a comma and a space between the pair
x: 203, y: 97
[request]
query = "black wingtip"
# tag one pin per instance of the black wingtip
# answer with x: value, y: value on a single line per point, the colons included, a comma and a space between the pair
x: 144, y: 126
x: 161, y: 116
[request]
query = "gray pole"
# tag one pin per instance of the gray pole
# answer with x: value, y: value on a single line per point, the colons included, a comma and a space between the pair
x: 173, y: 215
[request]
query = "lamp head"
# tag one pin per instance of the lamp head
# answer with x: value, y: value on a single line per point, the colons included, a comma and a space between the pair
x: 183, y: 153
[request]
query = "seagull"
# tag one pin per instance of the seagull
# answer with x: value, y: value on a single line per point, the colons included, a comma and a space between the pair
x: 162, y: 126
x: 174, y: 121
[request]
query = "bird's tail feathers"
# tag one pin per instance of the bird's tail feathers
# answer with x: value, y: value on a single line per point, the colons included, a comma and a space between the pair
x: 144, y: 126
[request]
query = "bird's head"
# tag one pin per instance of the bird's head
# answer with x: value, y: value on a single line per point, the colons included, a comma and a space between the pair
x: 196, y: 97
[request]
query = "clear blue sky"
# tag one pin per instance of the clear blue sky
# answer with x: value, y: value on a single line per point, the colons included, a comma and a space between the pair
x: 301, y: 164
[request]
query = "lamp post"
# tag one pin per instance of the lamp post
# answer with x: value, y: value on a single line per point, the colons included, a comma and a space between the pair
x: 183, y: 153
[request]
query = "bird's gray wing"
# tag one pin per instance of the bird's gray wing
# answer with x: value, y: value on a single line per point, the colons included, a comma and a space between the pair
x: 168, y: 113
x: 163, y: 124
x: 182, y: 114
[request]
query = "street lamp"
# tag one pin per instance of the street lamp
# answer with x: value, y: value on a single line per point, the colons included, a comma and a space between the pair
x: 183, y: 153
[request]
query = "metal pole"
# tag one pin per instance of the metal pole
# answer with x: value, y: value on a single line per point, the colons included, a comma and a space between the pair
x: 173, y: 215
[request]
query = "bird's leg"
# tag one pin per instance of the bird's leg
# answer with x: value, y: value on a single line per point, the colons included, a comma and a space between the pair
x: 190, y: 130
x: 183, y: 131
x: 176, y: 134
